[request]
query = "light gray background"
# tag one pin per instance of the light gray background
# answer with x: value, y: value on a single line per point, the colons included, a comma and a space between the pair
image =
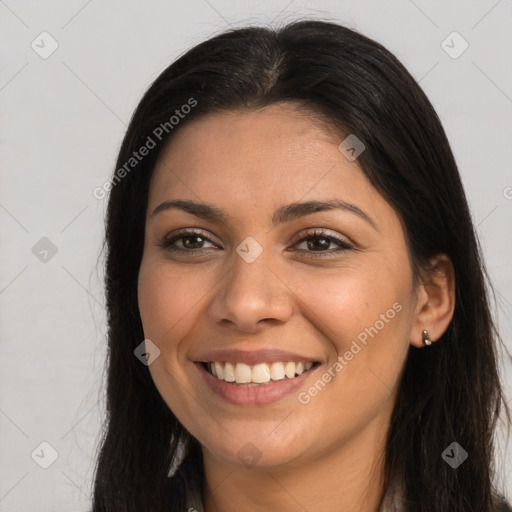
x: 62, y: 120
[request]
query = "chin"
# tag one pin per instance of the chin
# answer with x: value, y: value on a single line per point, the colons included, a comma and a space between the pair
x: 257, y: 453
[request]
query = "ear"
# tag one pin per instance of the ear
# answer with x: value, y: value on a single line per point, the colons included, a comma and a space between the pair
x: 435, y: 301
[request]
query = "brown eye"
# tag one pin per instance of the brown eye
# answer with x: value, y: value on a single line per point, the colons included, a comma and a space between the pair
x: 185, y: 241
x: 319, y: 241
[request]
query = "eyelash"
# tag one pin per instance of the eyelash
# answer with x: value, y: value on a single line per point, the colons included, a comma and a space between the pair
x: 166, y: 243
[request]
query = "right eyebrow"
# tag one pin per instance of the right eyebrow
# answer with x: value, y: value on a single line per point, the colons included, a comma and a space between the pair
x: 283, y: 214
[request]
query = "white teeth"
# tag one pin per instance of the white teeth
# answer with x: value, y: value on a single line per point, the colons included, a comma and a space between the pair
x: 218, y: 370
x: 277, y: 371
x: 260, y: 373
x: 289, y: 370
x: 243, y: 374
x: 229, y: 372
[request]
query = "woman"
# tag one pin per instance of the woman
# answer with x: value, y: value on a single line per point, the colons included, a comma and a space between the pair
x: 297, y: 310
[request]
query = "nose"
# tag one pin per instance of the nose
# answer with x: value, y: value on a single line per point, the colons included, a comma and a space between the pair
x: 252, y: 295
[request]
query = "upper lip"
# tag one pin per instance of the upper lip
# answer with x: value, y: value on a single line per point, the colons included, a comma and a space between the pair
x: 253, y: 356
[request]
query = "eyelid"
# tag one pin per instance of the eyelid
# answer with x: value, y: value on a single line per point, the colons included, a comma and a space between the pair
x: 344, y: 244
x: 320, y: 232
x: 189, y: 232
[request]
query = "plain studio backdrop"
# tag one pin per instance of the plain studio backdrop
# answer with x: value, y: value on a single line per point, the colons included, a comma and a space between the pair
x: 71, y: 75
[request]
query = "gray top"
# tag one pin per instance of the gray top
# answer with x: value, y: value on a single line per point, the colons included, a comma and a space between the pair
x: 392, y: 500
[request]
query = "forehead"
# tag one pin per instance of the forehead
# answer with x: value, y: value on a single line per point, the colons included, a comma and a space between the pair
x: 256, y: 159
x: 252, y: 137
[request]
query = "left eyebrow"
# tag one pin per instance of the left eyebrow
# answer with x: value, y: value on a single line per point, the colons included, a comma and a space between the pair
x: 285, y: 213
x: 295, y: 210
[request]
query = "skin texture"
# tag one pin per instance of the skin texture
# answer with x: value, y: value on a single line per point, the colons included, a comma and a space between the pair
x: 326, y: 454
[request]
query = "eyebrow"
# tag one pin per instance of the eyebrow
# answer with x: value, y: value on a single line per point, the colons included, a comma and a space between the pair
x: 283, y: 214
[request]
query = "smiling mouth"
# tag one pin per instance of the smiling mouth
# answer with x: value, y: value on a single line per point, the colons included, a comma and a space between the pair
x: 261, y: 373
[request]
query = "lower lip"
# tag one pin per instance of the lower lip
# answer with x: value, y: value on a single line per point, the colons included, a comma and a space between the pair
x: 259, y: 394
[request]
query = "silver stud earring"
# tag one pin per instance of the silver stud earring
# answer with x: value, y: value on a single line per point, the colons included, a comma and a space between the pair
x: 426, y: 338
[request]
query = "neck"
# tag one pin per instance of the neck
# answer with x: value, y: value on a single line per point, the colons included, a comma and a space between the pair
x: 347, y: 479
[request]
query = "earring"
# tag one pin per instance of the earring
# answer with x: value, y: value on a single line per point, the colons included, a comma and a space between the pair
x: 426, y: 338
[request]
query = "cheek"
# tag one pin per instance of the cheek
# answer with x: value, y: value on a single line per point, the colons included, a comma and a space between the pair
x: 167, y: 306
x: 348, y: 302
x: 167, y: 301
x: 364, y: 316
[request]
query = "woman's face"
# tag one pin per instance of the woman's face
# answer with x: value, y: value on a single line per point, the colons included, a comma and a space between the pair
x: 248, y: 294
